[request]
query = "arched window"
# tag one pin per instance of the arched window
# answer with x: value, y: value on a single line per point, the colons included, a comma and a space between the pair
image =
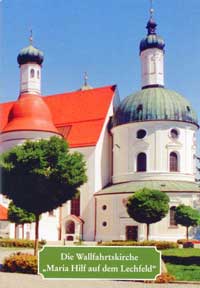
x: 38, y: 74
x: 141, y: 134
x: 172, y: 216
x: 173, y: 162
x: 141, y: 162
x: 70, y: 227
x: 32, y: 73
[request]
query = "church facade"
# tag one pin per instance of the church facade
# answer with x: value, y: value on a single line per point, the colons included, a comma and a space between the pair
x: 146, y: 140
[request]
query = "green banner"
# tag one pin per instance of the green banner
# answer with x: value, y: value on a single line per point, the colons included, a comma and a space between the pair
x: 84, y: 262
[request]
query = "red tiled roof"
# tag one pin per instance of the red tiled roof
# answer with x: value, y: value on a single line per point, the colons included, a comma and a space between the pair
x: 79, y: 115
x: 76, y: 218
x: 3, y: 213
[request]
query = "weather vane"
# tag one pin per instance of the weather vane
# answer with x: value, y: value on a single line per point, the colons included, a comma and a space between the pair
x: 85, y: 79
x: 151, y: 9
x: 31, y: 37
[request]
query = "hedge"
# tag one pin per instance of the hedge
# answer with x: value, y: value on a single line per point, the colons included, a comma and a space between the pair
x: 183, y: 241
x: 192, y: 260
x: 20, y: 263
x: 159, y: 244
x: 19, y: 243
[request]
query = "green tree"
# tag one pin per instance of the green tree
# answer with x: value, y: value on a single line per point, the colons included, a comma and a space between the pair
x: 40, y: 176
x: 187, y: 216
x: 148, y: 206
x: 19, y: 216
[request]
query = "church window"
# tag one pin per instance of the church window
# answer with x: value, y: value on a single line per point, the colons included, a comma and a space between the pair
x: 104, y: 224
x: 174, y: 133
x: 139, y: 108
x: 172, y: 216
x: 141, y: 162
x: 173, y: 162
x: 32, y: 73
x: 38, y: 74
x: 141, y: 134
x: 104, y: 207
x: 75, y: 206
x: 188, y: 108
x: 70, y: 227
x: 51, y: 213
x: 139, y: 111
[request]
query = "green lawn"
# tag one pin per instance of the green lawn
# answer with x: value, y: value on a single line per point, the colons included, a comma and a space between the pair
x: 182, y: 252
x: 183, y: 263
x: 184, y: 273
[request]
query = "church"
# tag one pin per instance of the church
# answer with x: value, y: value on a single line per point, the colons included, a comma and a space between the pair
x: 146, y: 140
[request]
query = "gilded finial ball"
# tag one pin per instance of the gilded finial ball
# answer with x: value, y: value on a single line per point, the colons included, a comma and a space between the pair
x: 151, y: 11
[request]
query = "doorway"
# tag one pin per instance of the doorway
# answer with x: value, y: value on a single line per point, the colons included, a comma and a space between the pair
x: 132, y: 233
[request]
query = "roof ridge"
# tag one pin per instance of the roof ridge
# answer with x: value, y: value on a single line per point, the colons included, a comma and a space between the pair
x: 76, y: 122
x: 82, y: 91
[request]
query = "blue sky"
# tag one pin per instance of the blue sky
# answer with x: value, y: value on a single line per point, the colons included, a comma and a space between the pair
x: 102, y: 38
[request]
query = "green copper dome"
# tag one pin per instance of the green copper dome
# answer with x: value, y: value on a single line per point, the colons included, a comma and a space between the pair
x: 30, y: 54
x: 154, y: 104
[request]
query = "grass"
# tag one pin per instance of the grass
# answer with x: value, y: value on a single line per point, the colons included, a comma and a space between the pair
x: 182, y: 252
x: 187, y: 267
x: 183, y: 272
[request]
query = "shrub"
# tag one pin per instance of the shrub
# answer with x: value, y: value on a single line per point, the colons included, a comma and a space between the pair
x: 183, y: 241
x: 177, y: 260
x: 159, y: 244
x: 164, y: 278
x: 20, y: 263
x: 19, y: 243
x: 188, y: 244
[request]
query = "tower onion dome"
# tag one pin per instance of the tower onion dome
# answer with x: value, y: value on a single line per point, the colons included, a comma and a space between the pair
x: 152, y: 40
x: 154, y: 104
x: 30, y: 54
x: 30, y: 113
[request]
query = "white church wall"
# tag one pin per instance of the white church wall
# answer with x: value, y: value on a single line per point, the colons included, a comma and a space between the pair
x: 12, y: 139
x: 49, y: 226
x: 30, y: 78
x: 117, y: 218
x: 103, y: 155
x: 86, y: 193
x: 152, y: 67
x: 157, y: 145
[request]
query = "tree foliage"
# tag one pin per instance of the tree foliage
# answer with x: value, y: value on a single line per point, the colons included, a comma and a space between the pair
x: 187, y: 216
x: 40, y: 176
x: 18, y: 215
x: 148, y: 206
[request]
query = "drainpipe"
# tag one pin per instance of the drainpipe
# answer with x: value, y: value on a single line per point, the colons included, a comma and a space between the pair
x: 60, y: 224
x: 95, y: 218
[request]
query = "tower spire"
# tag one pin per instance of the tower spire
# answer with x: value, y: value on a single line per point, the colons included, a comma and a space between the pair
x: 31, y: 37
x: 151, y: 25
x: 85, y: 79
x: 151, y: 10
x: 85, y: 86
x: 152, y: 55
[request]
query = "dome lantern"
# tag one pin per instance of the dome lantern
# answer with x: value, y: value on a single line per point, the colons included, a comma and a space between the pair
x: 152, y: 56
x: 30, y: 61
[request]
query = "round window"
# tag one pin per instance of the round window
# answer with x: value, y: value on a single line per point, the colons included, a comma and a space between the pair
x: 141, y: 134
x: 104, y: 207
x: 174, y: 133
x: 104, y: 224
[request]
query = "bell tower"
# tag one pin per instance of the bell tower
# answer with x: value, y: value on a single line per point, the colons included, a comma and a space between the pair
x: 152, y: 56
x: 30, y: 62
